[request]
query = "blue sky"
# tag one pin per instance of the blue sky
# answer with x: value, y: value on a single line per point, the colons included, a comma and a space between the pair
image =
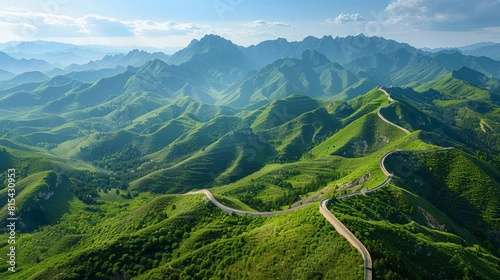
x: 174, y: 23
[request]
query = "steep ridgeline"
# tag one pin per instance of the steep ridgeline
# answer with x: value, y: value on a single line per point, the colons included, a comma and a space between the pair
x: 490, y: 50
x: 133, y: 58
x: 215, y: 58
x: 19, y: 66
x: 403, y: 67
x: 214, y: 70
x: 339, y: 49
x: 461, y: 106
x: 313, y: 75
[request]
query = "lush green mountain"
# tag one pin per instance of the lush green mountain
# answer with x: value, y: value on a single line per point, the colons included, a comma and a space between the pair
x: 446, y: 187
x: 466, y: 84
x: 44, y: 92
x: 399, y: 67
x: 172, y: 81
x: 411, y: 211
x: 403, y: 67
x: 454, y: 59
x: 462, y: 106
x: 313, y: 75
x: 103, y: 164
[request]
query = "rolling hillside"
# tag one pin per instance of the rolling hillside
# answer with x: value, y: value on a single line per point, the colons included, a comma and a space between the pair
x: 105, y: 161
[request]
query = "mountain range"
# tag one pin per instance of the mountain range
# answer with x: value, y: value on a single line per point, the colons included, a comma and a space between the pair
x: 106, y: 154
x: 230, y: 75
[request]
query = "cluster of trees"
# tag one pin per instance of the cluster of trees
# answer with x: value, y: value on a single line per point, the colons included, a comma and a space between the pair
x: 87, y: 184
x: 123, y: 160
x: 462, y: 190
x: 133, y: 254
x: 291, y: 193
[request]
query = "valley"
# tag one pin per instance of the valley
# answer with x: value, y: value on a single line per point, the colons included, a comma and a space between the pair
x: 211, y: 163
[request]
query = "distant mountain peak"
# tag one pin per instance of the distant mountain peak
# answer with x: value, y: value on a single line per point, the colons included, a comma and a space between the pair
x: 315, y: 58
x: 215, y: 41
x: 153, y: 67
x: 212, y: 37
x: 207, y: 43
x: 450, y: 52
x: 210, y: 48
x: 137, y: 51
x: 155, y: 63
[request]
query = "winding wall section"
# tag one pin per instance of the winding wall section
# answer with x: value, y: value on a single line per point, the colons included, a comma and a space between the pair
x: 323, y: 207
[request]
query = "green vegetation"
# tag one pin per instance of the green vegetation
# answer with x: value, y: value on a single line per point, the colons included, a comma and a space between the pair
x: 183, y: 237
x: 101, y: 167
x: 435, y: 214
x: 426, y: 238
x: 461, y: 106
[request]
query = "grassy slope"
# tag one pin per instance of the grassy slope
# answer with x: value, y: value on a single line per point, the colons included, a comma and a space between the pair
x: 123, y: 237
x: 434, y: 213
x: 183, y: 237
x: 449, y: 188
x: 396, y: 214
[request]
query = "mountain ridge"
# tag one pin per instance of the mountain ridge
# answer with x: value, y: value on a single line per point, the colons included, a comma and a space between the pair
x: 103, y: 158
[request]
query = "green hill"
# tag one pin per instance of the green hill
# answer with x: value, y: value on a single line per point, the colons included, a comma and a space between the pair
x: 462, y: 105
x: 426, y: 237
x: 313, y: 75
x: 294, y: 138
x: 235, y: 155
x: 407, y: 67
x: 466, y: 84
x: 104, y: 160
x: 279, y: 112
x: 448, y: 188
x: 45, y: 198
x: 170, y: 237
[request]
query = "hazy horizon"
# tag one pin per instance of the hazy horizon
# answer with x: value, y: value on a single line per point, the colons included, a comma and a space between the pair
x: 172, y: 25
x: 171, y: 50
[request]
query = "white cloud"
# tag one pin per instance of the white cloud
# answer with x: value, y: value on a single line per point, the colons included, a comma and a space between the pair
x: 151, y: 28
x: 345, y: 18
x: 450, y: 15
x: 103, y: 26
x: 267, y: 24
x: 39, y: 25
